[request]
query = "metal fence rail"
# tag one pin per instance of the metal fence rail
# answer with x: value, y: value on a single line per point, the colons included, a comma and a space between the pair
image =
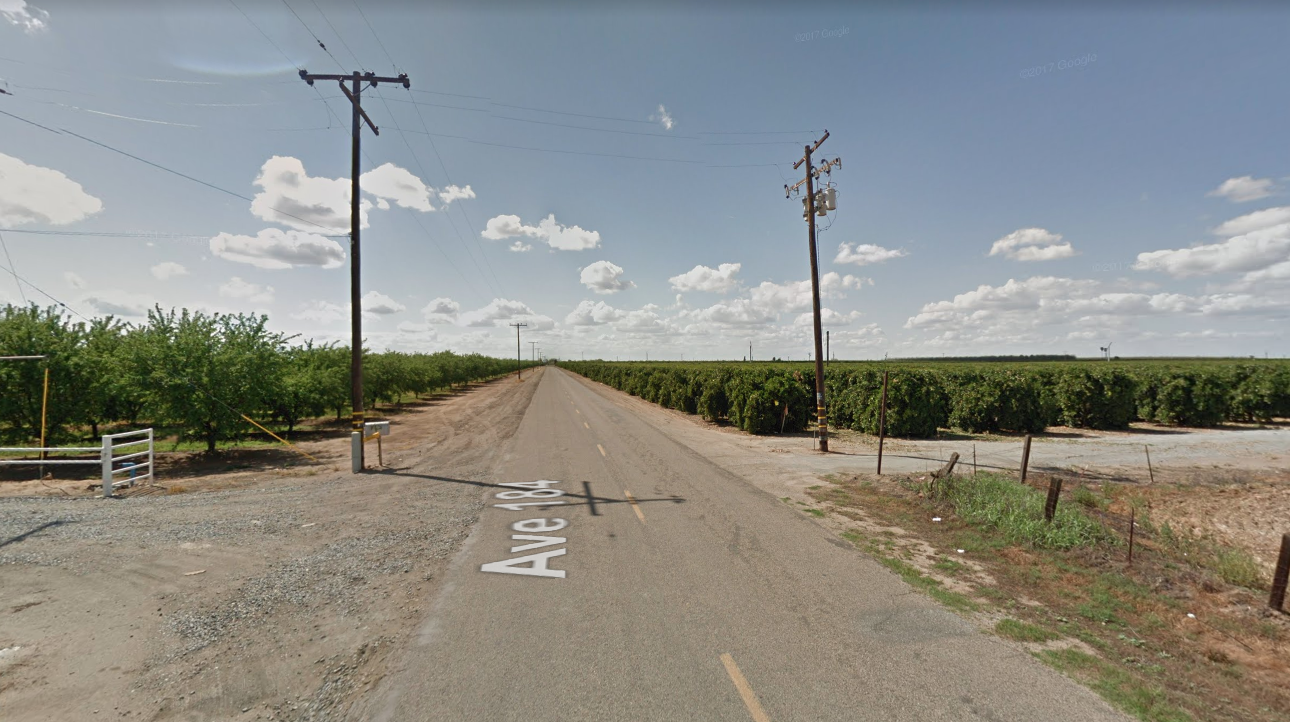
x: 109, y: 461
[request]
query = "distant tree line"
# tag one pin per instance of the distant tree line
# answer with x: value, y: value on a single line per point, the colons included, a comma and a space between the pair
x: 195, y: 372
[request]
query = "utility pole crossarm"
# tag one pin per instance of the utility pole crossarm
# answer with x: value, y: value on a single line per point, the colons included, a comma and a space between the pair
x: 807, y: 158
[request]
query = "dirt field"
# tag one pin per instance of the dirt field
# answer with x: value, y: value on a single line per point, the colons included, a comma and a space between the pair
x: 264, y: 593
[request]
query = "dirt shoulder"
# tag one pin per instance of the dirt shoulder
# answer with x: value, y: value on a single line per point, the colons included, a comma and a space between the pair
x: 270, y: 592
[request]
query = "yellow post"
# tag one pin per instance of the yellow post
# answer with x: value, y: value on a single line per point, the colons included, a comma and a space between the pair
x: 44, y: 405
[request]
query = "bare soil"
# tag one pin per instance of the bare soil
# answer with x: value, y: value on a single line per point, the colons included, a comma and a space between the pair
x: 273, y: 589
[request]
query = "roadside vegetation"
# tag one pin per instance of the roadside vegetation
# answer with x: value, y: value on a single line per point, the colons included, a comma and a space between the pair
x: 973, y: 396
x: 1183, y: 633
x: 194, y: 376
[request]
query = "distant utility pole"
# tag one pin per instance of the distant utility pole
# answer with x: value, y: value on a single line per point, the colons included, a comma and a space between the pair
x: 750, y: 350
x: 812, y: 205
x: 355, y: 296
x: 519, y: 376
x: 533, y: 351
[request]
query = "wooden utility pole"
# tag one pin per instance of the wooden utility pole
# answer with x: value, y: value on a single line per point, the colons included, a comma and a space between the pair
x: 355, y: 296
x: 821, y: 408
x: 532, y: 351
x: 518, y: 376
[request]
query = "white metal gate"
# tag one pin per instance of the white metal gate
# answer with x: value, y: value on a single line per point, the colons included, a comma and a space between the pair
x: 138, y: 464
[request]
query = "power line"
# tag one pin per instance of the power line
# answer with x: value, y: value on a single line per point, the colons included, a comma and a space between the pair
x: 12, y: 268
x: 598, y: 130
x: 337, y: 34
x: 313, y: 34
x: 266, y: 35
x: 455, y: 95
x: 131, y: 234
x: 378, y: 37
x: 578, y: 115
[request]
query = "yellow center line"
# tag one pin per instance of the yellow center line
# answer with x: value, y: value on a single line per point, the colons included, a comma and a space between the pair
x: 602, y: 450
x: 585, y: 424
x: 577, y: 412
x: 745, y: 691
x: 635, y: 507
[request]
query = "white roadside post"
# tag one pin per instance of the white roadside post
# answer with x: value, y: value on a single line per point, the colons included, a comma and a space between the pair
x: 106, y: 457
x: 356, y: 451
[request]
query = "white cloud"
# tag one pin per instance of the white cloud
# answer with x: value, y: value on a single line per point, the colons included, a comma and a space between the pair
x: 246, y: 291
x: 33, y: 194
x: 1256, y: 221
x: 276, y: 249
x: 605, y: 277
x: 702, y: 278
x: 521, y: 247
x: 828, y: 317
x: 865, y: 254
x: 795, y: 296
x: 1245, y: 188
x: 74, y: 280
x: 735, y: 312
x: 501, y: 311
x: 381, y: 304
x: 119, y: 303
x: 390, y: 182
x: 1032, y: 244
x: 455, y: 193
x: 441, y: 310
x: 1256, y: 252
x: 322, y: 312
x: 558, y: 237
x: 593, y: 313
x: 663, y: 117
x: 167, y: 270
x: 31, y: 19
x: 645, y: 320
x: 311, y: 202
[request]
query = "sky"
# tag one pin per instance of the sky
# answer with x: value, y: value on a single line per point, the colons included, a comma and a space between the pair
x: 1012, y: 181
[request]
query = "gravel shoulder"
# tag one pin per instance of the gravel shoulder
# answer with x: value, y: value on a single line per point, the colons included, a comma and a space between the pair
x: 267, y: 594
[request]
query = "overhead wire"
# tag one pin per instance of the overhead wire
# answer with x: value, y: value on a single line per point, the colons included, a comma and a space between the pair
x: 336, y: 32
x: 378, y: 37
x: 313, y: 34
x: 13, y: 269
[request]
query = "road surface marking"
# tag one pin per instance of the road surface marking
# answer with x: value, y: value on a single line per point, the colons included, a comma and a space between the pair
x: 745, y: 691
x: 577, y: 412
x: 635, y: 507
x: 531, y: 565
x: 585, y: 424
x: 602, y: 450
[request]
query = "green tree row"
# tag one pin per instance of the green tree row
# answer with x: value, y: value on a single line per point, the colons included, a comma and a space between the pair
x: 973, y: 397
x: 196, y: 372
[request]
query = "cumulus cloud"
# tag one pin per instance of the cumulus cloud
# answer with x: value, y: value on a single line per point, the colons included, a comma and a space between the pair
x: 501, y: 311
x: 322, y: 312
x: 1256, y: 221
x: 276, y: 249
x: 33, y: 194
x: 521, y: 247
x: 31, y: 19
x: 392, y: 183
x: 646, y: 320
x: 795, y: 296
x: 828, y: 317
x: 119, y: 303
x: 455, y: 193
x: 865, y: 254
x: 381, y: 304
x: 246, y: 291
x: 441, y: 310
x: 1255, y: 252
x: 74, y: 280
x: 1245, y: 188
x: 663, y: 118
x: 167, y: 270
x: 1032, y: 244
x: 593, y: 313
x: 702, y: 278
x: 735, y: 312
x: 548, y: 230
x: 605, y: 277
x: 310, y: 202
x: 1044, y: 310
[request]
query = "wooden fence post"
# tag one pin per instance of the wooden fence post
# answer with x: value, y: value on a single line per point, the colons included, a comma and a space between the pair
x: 1054, y: 490
x: 1025, y: 458
x: 1278, y: 597
x: 882, y: 421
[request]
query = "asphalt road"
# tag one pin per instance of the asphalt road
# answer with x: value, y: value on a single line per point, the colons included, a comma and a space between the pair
x: 678, y: 591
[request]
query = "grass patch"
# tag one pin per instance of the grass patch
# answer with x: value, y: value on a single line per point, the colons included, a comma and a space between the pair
x: 932, y: 587
x: 1023, y: 631
x: 1236, y: 566
x: 1017, y: 513
x: 1144, y: 701
x: 814, y: 512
